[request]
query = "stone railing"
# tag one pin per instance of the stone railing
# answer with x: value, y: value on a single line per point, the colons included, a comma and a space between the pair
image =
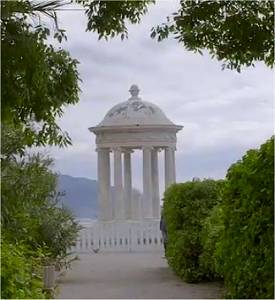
x: 128, y: 236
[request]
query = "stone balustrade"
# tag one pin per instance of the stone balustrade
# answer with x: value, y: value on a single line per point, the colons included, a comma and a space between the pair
x: 131, y: 236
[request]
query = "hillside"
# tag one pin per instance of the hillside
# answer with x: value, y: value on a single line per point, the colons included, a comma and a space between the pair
x: 80, y: 195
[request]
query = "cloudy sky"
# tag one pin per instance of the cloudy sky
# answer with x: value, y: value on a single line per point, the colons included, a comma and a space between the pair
x: 223, y: 113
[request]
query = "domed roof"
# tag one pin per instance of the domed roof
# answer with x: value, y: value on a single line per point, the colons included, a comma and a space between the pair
x: 135, y: 112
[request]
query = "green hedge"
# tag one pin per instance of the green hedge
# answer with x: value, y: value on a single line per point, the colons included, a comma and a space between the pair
x: 246, y: 248
x: 226, y: 229
x: 186, y: 206
x: 20, y: 272
x: 213, y: 228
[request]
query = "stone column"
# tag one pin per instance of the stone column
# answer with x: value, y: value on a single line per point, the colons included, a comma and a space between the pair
x: 147, y: 183
x: 127, y: 184
x: 169, y: 166
x: 136, y: 205
x: 174, y: 164
x: 103, y: 169
x: 118, y: 188
x: 155, y: 184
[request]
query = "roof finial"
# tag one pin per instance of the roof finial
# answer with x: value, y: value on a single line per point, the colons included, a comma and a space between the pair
x: 134, y: 91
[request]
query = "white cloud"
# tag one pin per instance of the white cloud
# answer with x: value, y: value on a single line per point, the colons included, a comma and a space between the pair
x: 224, y: 113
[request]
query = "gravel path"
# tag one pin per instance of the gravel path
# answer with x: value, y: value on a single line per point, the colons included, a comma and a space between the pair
x: 128, y: 276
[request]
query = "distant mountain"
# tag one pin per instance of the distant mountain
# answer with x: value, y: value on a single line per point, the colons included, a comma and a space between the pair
x: 80, y: 195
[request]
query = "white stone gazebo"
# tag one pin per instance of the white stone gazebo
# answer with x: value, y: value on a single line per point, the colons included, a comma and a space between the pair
x: 129, y: 126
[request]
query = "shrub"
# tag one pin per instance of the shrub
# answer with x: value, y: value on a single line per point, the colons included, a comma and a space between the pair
x: 212, y: 229
x: 32, y: 218
x: 186, y: 206
x: 247, y: 243
x: 30, y: 207
x: 58, y: 232
x: 27, y: 187
x: 20, y: 277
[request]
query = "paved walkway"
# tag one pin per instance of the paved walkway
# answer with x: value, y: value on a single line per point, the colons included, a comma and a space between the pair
x: 128, y: 276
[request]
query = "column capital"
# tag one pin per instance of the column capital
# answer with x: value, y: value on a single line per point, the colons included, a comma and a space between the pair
x: 157, y: 149
x: 171, y: 147
x: 101, y: 149
x: 117, y: 149
x: 127, y: 150
x: 147, y: 148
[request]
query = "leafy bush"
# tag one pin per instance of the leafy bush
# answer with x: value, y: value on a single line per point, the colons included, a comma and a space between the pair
x: 20, y: 270
x: 31, y: 210
x: 186, y: 206
x: 58, y: 231
x: 27, y: 189
x: 32, y: 216
x: 227, y: 235
x: 246, y: 248
x: 212, y: 229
